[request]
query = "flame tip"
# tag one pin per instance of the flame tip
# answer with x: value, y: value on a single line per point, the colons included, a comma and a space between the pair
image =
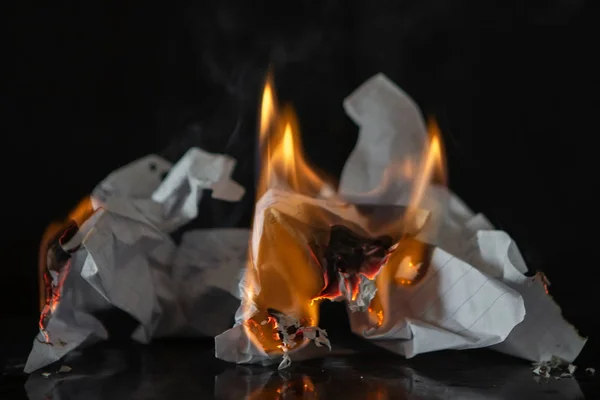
x: 282, y: 158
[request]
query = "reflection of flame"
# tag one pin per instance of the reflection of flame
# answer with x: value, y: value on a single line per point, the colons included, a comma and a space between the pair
x: 297, y: 388
x: 347, y: 383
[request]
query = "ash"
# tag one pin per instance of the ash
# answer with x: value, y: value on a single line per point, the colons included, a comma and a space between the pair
x: 555, y: 368
x: 290, y: 328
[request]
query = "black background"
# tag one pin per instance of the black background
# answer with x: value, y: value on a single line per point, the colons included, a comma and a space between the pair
x: 97, y: 84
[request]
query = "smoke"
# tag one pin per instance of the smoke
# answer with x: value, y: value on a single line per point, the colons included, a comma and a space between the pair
x: 462, y: 60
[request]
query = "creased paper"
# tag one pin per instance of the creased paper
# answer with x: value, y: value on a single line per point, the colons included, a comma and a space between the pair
x: 127, y: 260
x: 476, y: 294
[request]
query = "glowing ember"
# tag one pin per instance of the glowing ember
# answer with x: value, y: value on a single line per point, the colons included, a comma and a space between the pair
x: 407, y: 271
x: 57, y: 270
x: 378, y: 315
x: 55, y: 263
x: 544, y: 279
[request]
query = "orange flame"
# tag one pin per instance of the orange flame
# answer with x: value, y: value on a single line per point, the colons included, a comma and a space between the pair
x: 408, y: 263
x: 283, y: 164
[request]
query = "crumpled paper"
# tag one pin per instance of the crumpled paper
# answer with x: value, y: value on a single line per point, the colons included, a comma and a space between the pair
x: 285, y: 226
x: 126, y: 258
x: 475, y: 292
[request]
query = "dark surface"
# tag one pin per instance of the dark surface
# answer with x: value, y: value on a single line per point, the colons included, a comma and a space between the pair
x: 187, y: 369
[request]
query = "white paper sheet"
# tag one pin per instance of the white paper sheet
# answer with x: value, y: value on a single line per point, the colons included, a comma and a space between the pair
x: 128, y: 261
x: 474, y: 294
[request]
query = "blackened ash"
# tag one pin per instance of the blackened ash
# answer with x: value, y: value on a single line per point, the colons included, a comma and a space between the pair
x: 56, y: 256
x: 349, y: 255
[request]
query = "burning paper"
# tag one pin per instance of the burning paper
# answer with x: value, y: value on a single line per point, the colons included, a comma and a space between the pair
x: 117, y: 253
x: 419, y: 271
x: 307, y: 246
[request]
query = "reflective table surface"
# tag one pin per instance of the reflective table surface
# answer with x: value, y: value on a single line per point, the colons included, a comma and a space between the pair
x: 187, y: 369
